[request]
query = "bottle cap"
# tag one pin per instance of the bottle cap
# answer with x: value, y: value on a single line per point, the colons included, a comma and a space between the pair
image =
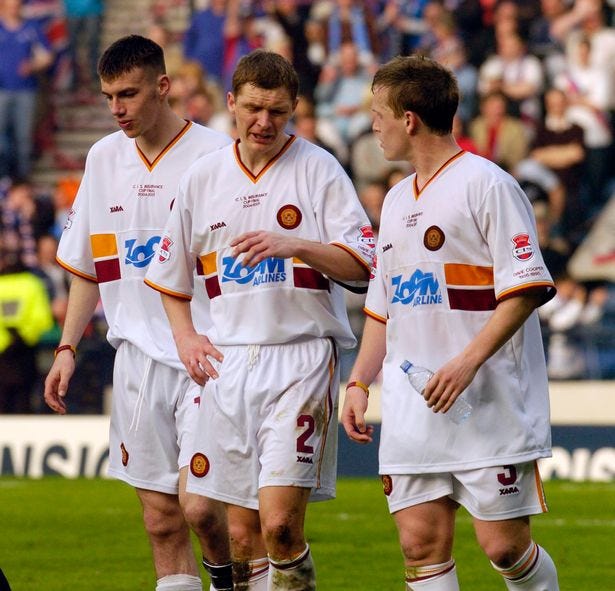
x: 405, y: 366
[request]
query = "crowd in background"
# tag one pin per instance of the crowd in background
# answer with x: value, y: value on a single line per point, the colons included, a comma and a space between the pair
x: 538, y: 98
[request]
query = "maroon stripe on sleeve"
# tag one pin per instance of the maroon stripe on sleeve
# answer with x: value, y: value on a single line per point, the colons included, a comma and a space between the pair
x: 199, y: 267
x: 107, y: 270
x: 474, y: 300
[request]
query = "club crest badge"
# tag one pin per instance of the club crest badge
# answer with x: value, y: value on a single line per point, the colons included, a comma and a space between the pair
x: 523, y: 249
x: 387, y: 484
x: 125, y: 455
x: 199, y: 465
x: 289, y: 216
x: 434, y: 238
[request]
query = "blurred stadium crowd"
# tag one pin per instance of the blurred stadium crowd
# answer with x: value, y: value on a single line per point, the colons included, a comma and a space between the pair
x: 538, y: 97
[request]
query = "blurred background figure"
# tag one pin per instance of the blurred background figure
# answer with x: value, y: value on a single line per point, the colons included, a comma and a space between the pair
x: 25, y: 51
x: 204, y: 38
x: 342, y: 94
x: 498, y: 136
x: 517, y: 74
x: 559, y: 146
x: 84, y: 21
x: 25, y: 315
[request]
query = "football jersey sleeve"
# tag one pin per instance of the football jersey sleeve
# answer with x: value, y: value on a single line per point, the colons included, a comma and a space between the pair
x: 75, y: 248
x: 376, y: 301
x: 172, y: 269
x: 345, y: 224
x: 511, y: 234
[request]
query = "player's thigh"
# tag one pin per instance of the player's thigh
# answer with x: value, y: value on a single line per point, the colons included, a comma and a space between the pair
x: 162, y: 513
x: 424, y: 515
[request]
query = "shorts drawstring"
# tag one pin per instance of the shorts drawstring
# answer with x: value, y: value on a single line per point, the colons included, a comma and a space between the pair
x: 136, y: 415
x: 253, y: 353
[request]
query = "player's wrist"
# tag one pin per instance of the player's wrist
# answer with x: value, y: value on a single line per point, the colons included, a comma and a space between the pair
x: 61, y: 348
x: 358, y: 384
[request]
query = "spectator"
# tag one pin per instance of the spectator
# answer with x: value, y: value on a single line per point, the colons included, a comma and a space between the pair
x: 590, y: 24
x: 25, y: 314
x: 542, y: 40
x: 517, y: 74
x: 293, y: 16
x: 352, y: 21
x: 587, y: 88
x: 447, y: 40
x: 190, y: 80
x: 455, y: 58
x: 500, y: 137
x: 401, y: 25
x: 559, y: 146
x: 204, y: 39
x: 342, y: 92
x: 306, y: 126
x: 84, y: 19
x: 25, y: 51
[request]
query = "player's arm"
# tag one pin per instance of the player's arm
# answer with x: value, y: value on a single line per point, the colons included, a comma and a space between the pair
x: 82, y: 300
x: 330, y: 260
x: 366, y: 368
x: 193, y: 348
x: 456, y: 375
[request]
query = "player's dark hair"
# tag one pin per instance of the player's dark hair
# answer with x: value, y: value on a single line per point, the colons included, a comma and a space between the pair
x: 268, y: 70
x: 423, y: 86
x: 127, y: 53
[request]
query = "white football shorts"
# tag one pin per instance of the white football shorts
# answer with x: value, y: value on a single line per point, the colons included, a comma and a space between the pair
x: 153, y: 417
x: 270, y: 419
x: 490, y: 494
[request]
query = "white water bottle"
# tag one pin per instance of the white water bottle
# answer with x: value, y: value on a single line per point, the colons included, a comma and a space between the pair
x: 418, y: 378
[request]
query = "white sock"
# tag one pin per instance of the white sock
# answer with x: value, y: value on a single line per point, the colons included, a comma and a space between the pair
x: 179, y: 583
x: 534, y: 571
x: 296, y: 574
x: 259, y: 571
x: 432, y: 577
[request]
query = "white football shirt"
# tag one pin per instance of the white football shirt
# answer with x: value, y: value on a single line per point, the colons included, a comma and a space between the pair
x: 114, y: 228
x: 445, y: 257
x: 302, y: 192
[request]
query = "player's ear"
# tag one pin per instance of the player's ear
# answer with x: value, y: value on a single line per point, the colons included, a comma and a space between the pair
x: 411, y: 120
x: 230, y: 101
x: 164, y: 85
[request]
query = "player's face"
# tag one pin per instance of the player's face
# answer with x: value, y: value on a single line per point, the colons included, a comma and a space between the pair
x: 261, y: 116
x: 135, y: 99
x: 390, y: 131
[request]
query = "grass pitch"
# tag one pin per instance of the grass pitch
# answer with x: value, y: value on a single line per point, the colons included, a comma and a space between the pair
x: 86, y: 535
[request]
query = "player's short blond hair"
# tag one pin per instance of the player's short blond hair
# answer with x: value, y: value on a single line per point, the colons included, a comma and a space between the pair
x: 423, y: 86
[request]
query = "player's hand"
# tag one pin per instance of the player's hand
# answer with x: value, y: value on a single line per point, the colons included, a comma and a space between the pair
x: 56, y: 383
x: 194, y: 352
x: 353, y: 416
x: 448, y: 383
x: 260, y: 245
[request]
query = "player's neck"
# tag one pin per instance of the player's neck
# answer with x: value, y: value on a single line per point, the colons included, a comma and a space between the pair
x: 161, y: 134
x: 431, y: 156
x: 257, y: 159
